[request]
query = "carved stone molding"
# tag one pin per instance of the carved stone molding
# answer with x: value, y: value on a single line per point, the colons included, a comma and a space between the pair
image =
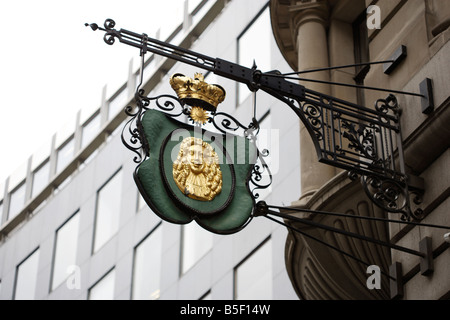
x: 287, y: 16
x: 305, y: 11
x: 318, y: 272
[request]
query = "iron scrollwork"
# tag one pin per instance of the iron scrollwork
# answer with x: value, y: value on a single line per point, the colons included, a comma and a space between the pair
x: 314, y: 115
x: 132, y: 132
x: 134, y: 140
x: 345, y: 135
x: 392, y: 196
x: 361, y: 139
x: 261, y: 177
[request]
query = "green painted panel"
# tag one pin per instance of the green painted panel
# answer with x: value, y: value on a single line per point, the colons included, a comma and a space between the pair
x: 230, y: 210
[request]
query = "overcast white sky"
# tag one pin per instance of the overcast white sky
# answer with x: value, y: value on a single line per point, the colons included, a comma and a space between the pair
x: 51, y: 65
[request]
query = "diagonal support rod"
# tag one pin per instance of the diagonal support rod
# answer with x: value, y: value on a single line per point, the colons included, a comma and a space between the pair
x: 360, y: 217
x: 345, y: 233
x: 345, y: 85
x: 326, y: 244
x: 337, y: 67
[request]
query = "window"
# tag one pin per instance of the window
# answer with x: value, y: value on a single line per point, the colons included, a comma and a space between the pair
x: 140, y: 202
x: 90, y: 130
x: 253, y: 277
x: 1, y: 213
x: 65, y: 250
x: 26, y: 277
x: 65, y: 155
x: 40, y: 178
x: 195, y: 242
x: 147, y: 267
x: 108, y: 210
x: 206, y: 296
x: 17, y: 201
x: 254, y: 45
x: 104, y: 288
x: 118, y: 103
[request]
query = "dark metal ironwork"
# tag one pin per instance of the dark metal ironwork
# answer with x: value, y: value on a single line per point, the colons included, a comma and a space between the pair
x: 288, y: 226
x: 311, y: 223
x: 338, y: 67
x: 261, y: 177
x: 353, y: 216
x: 366, y: 142
x: 132, y: 133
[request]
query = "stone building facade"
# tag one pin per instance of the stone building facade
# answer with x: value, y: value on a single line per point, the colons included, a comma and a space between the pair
x: 323, y: 33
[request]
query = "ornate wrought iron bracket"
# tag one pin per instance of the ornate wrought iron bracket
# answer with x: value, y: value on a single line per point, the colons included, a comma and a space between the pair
x: 366, y: 142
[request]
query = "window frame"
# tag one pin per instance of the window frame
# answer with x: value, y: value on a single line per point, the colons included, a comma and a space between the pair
x: 36, y: 250
x: 22, y: 184
x: 96, y: 116
x: 157, y: 228
x: 107, y: 273
x: 238, y: 50
x: 44, y: 163
x: 93, y: 247
x: 245, y: 259
x: 182, y: 270
x: 55, y: 244
x: 69, y: 140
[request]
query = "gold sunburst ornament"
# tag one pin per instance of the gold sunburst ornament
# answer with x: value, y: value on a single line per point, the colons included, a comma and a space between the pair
x: 199, y: 115
x: 201, y: 96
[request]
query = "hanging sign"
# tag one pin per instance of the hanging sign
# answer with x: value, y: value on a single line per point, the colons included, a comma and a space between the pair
x: 190, y: 173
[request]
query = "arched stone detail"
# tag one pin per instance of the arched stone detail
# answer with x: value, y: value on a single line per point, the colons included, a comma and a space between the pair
x: 322, y: 273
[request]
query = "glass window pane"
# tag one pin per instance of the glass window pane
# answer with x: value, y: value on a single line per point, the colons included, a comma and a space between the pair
x: 17, y: 201
x: 147, y: 267
x: 65, y: 155
x: 26, y: 278
x: 104, y: 289
x: 140, y: 202
x: 108, y: 211
x: 118, y: 103
x: 65, y: 250
x: 1, y: 213
x: 254, y: 45
x: 40, y: 178
x: 90, y: 130
x: 253, y: 278
x: 196, y: 242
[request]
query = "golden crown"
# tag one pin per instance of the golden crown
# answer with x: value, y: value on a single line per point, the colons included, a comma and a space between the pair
x: 196, y: 92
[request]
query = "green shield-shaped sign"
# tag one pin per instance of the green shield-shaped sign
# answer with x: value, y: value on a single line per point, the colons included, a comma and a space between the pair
x: 193, y: 174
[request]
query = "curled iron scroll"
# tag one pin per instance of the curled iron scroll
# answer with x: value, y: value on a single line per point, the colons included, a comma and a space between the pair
x: 391, y: 195
x: 132, y: 132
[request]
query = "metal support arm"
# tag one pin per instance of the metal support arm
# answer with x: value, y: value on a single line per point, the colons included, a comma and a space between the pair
x: 366, y: 142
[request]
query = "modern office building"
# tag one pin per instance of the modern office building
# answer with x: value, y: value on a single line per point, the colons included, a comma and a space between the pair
x: 73, y: 225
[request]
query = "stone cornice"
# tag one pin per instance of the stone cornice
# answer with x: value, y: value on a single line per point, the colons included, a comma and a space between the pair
x: 303, y: 12
x: 288, y: 15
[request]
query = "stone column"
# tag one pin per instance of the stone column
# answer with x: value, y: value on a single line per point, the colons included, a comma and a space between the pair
x: 310, y: 21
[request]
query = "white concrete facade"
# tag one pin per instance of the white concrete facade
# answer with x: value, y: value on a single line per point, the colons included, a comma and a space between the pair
x: 36, y: 225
